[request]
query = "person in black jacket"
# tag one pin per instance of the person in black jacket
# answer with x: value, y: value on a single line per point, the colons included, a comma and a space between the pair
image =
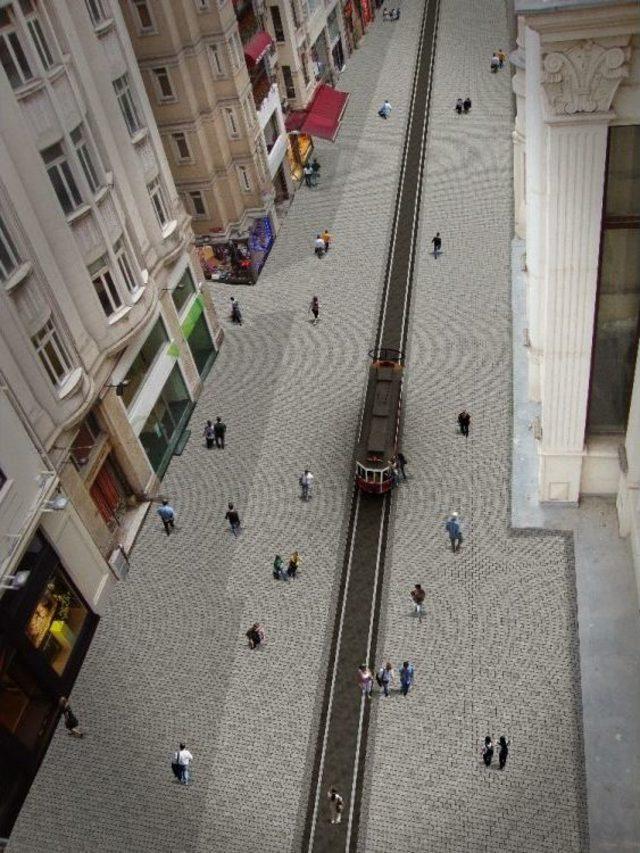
x: 487, y: 751
x: 71, y: 722
x: 503, y: 751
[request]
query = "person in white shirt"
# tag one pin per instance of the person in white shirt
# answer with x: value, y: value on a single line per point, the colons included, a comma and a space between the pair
x: 319, y: 246
x: 385, y: 109
x: 306, y: 482
x: 183, y: 759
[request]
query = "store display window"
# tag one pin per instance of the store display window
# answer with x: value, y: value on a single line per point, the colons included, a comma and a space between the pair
x: 25, y: 709
x: 56, y: 622
x: 183, y: 291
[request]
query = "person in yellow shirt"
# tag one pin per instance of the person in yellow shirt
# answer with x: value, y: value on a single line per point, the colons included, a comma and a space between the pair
x: 327, y: 240
x: 294, y: 564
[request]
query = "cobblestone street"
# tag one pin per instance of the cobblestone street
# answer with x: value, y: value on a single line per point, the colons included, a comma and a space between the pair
x: 497, y: 652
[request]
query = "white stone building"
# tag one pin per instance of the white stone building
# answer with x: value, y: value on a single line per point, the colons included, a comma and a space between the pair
x: 577, y: 205
x: 104, y: 343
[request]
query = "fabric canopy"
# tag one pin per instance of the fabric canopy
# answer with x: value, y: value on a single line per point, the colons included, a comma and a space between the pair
x: 257, y: 46
x: 324, y: 115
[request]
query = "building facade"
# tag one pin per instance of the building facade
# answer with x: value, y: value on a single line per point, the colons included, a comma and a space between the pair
x: 105, y: 339
x: 577, y: 205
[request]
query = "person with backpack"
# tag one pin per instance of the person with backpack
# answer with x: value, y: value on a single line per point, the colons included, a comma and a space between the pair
x: 418, y: 596
x: 487, y: 751
x: 219, y: 430
x: 407, y: 676
x: 209, y: 434
x: 453, y: 529
x: 384, y: 677
x: 278, y: 569
x: 336, y: 805
x: 503, y: 751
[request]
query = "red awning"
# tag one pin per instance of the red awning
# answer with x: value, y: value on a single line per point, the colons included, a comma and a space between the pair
x: 323, y: 116
x: 256, y: 47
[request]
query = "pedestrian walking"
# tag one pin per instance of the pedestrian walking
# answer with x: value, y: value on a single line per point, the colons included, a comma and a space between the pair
x: 401, y: 461
x: 418, y: 596
x: 503, y: 751
x: 453, y: 529
x: 319, y: 246
x: 219, y: 430
x: 464, y: 419
x: 315, y: 172
x: 294, y: 564
x: 395, y: 471
x: 278, y: 569
x: 502, y: 57
x: 385, y: 678
x: 365, y: 680
x: 71, y: 722
x: 306, y: 484
x: 495, y: 63
x: 336, y: 805
x: 181, y: 763
x: 209, y: 434
x: 459, y: 106
x: 315, y: 309
x: 437, y: 245
x: 327, y: 239
x: 487, y: 751
x: 308, y: 175
x: 168, y: 516
x: 255, y: 635
x: 385, y: 14
x: 466, y: 104
x: 233, y: 518
x: 385, y: 109
x: 407, y: 676
x: 236, y: 313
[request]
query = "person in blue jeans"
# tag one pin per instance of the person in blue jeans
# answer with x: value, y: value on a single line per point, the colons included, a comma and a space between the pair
x: 407, y: 675
x: 168, y: 516
x: 453, y: 529
x: 234, y: 519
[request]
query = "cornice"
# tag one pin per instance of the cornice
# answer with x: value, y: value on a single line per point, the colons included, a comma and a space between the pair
x: 585, y: 23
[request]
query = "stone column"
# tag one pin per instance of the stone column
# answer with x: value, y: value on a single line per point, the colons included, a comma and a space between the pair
x: 579, y: 82
x: 518, y: 83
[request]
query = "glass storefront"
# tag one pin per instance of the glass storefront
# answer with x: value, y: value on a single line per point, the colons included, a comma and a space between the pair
x: 183, y: 291
x: 200, y: 342
x: 142, y: 363
x: 166, y: 421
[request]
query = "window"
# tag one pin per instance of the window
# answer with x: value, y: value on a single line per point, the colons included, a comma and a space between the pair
x: 236, y: 51
x: 52, y: 353
x: 158, y: 201
x: 303, y: 65
x: 197, y: 203
x: 245, y: 183
x: 182, y: 147
x: 12, y: 55
x: 232, y: 124
x: 124, y: 265
x: 105, y: 286
x: 183, y: 291
x: 296, y: 14
x: 145, y: 21
x: 333, y: 26
x: 127, y: 104
x: 37, y: 34
x: 276, y: 20
x: 163, y: 84
x: 62, y: 178
x: 86, y: 439
x: 96, y: 11
x: 85, y: 158
x: 142, y: 363
x: 216, y: 62
x: 9, y: 258
x: 287, y: 77
x: 202, y: 5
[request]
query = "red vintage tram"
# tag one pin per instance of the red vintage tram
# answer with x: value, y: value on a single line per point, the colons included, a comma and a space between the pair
x: 379, y: 434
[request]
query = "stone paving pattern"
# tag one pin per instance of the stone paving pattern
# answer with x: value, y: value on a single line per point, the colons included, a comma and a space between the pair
x: 497, y: 652
x: 169, y: 659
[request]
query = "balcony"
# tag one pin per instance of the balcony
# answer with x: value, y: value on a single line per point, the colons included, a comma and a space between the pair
x: 269, y: 104
x: 261, y: 89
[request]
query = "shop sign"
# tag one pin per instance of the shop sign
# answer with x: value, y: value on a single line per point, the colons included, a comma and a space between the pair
x: 192, y: 317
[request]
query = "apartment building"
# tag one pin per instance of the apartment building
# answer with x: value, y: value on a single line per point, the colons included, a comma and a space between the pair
x: 105, y: 339
x: 209, y: 71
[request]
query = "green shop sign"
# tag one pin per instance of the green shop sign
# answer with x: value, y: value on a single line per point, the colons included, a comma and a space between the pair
x: 192, y: 317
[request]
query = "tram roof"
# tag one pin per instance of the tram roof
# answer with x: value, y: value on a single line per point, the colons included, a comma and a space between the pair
x: 380, y: 415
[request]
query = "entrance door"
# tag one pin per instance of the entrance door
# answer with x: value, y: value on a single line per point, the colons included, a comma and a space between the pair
x: 164, y: 425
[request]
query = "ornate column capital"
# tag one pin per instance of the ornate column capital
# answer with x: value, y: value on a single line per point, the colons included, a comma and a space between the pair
x: 584, y: 77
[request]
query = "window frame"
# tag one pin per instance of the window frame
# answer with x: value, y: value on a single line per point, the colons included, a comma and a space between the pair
x: 126, y: 271
x: 290, y: 90
x: 47, y: 335
x: 87, y: 162
x: 278, y: 29
x: 102, y: 16
x: 231, y: 122
x: 156, y: 193
x: 127, y: 101
x: 197, y: 214
x: 108, y: 286
x: 6, y: 32
x: 178, y: 137
x: 245, y: 182
x: 215, y: 60
x: 38, y: 37
x: 142, y: 30
x: 60, y: 163
x: 161, y: 75
x: 8, y: 248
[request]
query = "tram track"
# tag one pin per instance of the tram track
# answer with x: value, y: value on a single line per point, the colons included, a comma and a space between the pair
x: 341, y: 745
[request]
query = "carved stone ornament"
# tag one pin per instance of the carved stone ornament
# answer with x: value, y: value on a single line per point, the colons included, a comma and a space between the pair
x: 584, y: 78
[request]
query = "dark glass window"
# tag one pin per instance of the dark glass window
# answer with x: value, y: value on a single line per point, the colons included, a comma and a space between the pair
x: 141, y: 364
x: 183, y: 291
x: 277, y: 23
x: 287, y: 76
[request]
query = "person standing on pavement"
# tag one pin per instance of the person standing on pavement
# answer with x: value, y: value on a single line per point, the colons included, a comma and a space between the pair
x: 459, y: 106
x: 503, y: 751
x: 319, y: 246
x: 464, y: 419
x: 315, y: 172
x: 306, y: 484
x: 183, y: 759
x: 315, y: 309
x: 71, y: 723
x: 236, y: 313
x: 365, y: 680
x: 502, y: 57
x: 208, y: 434
x: 168, y: 516
x: 294, y: 564
x: 385, y: 109
x: 418, y: 596
x: 219, y: 430
x: 453, y: 529
x: 401, y: 461
x: 407, y: 676
x: 255, y: 635
x: 336, y: 805
x: 437, y: 245
x: 233, y: 518
x: 466, y: 106
x: 385, y: 677
x: 495, y: 63
x: 308, y: 175
x: 487, y: 751
x: 278, y: 569
x: 327, y: 239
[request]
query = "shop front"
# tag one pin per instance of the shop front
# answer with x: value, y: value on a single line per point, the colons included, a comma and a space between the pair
x: 198, y: 337
x: 299, y: 149
x: 237, y: 261
x: 45, y: 630
x: 166, y: 421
